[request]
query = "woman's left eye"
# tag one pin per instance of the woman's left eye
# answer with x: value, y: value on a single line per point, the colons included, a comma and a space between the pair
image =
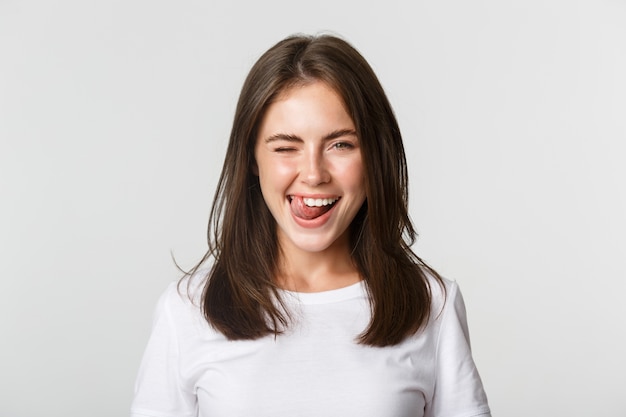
x: 343, y: 145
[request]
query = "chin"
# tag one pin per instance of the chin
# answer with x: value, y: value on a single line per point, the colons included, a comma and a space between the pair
x: 312, y: 247
x: 316, y: 243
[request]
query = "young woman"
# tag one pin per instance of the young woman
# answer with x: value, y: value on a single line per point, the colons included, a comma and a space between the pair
x: 310, y: 301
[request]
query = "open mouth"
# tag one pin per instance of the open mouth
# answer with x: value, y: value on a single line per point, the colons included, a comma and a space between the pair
x: 311, y: 208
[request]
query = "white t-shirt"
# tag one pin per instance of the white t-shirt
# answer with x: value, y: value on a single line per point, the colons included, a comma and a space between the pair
x: 315, y: 369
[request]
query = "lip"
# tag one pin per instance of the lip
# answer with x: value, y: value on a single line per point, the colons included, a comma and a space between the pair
x: 322, y: 196
x: 318, y: 221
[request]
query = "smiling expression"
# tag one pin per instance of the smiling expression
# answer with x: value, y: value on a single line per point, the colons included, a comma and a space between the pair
x: 310, y: 168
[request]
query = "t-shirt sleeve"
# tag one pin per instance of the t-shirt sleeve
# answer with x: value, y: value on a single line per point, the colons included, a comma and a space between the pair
x: 458, y: 388
x: 159, y: 391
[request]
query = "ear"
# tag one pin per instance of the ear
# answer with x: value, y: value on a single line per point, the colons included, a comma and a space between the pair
x: 254, y: 168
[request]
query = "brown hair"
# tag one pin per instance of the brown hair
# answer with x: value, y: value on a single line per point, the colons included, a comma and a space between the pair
x: 239, y: 296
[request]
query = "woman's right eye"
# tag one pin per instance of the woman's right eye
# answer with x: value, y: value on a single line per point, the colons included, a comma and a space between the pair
x: 284, y: 149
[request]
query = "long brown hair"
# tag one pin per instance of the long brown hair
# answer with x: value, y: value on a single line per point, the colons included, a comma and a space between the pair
x: 240, y: 298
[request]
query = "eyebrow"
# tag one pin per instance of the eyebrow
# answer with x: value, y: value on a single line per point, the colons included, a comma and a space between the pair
x: 294, y: 138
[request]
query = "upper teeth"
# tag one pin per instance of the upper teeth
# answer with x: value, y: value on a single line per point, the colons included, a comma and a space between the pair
x: 318, y: 202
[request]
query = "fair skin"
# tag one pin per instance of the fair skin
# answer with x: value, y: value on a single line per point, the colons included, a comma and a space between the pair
x: 310, y: 168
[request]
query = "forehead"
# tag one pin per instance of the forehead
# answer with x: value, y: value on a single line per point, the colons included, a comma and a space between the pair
x: 307, y: 102
x: 319, y: 86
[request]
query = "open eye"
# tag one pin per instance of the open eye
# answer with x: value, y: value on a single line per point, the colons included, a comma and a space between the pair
x: 343, y: 145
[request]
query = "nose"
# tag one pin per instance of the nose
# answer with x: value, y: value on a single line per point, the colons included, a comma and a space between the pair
x: 314, y: 168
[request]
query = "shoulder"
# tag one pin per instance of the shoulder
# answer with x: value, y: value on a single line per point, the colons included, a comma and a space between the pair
x: 175, y: 296
x: 188, y: 290
x: 443, y: 291
x: 180, y: 302
x: 447, y: 306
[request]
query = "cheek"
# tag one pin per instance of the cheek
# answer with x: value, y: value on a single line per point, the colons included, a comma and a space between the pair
x: 275, y: 173
x: 354, y: 176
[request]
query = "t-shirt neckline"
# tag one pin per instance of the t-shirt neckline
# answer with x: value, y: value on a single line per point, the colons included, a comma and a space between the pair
x: 352, y: 291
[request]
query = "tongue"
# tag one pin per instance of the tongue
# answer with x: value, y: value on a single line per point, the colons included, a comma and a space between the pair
x: 303, y: 211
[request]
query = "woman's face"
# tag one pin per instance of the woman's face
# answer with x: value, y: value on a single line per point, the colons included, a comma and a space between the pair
x: 310, y: 168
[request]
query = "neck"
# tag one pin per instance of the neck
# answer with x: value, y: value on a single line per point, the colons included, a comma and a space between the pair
x: 304, y: 271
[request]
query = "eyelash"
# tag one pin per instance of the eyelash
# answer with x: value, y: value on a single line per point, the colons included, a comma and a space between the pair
x: 281, y: 150
x: 343, y: 145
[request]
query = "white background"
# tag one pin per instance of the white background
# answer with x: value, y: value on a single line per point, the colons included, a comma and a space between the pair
x: 114, y: 117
